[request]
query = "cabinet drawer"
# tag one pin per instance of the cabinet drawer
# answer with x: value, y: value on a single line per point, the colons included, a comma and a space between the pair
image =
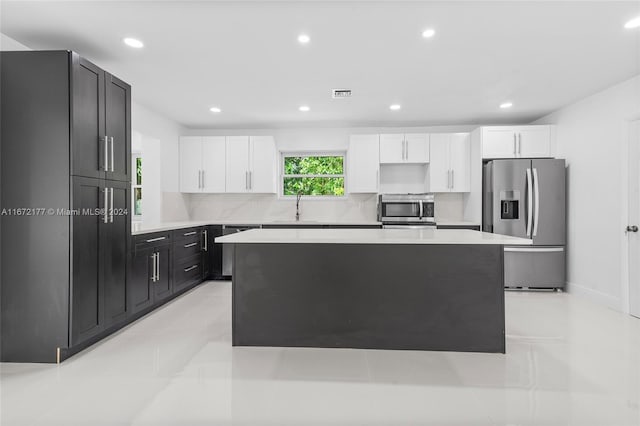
x: 154, y: 239
x: 541, y: 267
x: 186, y: 233
x: 187, y: 247
x: 187, y: 272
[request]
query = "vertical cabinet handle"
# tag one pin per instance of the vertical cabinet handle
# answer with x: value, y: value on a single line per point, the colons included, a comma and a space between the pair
x: 515, y: 143
x: 153, y: 274
x: 106, y: 205
x: 406, y: 151
x: 453, y: 179
x: 250, y: 180
x: 106, y: 153
x: 246, y: 180
x: 203, y: 180
x: 205, y: 241
x: 112, y: 166
x: 111, y: 211
x: 157, y: 266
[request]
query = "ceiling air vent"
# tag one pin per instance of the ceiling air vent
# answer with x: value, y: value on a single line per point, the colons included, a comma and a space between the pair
x: 340, y: 93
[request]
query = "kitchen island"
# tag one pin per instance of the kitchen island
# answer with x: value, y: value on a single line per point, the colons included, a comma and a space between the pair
x: 369, y: 288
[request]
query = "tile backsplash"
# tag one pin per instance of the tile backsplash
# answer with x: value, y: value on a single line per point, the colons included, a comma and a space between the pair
x: 268, y: 207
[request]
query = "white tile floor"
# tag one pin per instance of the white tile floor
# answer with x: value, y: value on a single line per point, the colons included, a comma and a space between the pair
x: 568, y: 362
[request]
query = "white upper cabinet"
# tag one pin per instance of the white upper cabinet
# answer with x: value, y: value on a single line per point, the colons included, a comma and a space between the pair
x: 237, y: 163
x: 363, y: 168
x: 251, y: 164
x: 518, y: 142
x: 404, y: 148
x: 263, y: 164
x: 391, y: 148
x: 499, y: 142
x: 460, y: 162
x: 535, y: 142
x: 417, y: 148
x: 213, y: 164
x: 202, y: 164
x: 450, y: 162
x: 190, y: 164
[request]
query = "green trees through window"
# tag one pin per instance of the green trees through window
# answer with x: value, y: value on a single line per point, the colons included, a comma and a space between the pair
x: 137, y: 186
x: 314, y: 175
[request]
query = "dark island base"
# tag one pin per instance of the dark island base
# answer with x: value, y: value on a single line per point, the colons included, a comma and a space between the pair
x: 369, y: 296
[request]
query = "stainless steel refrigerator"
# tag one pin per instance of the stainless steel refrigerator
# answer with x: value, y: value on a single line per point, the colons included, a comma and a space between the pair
x: 526, y: 198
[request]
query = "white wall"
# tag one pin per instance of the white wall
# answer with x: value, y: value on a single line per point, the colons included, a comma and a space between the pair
x: 158, y: 129
x: 592, y: 136
x: 7, y: 43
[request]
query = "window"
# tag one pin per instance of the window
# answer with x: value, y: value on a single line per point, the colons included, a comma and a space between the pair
x: 137, y: 185
x: 316, y: 175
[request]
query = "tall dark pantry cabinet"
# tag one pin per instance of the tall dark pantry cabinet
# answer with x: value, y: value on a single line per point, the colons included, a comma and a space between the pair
x: 65, y: 225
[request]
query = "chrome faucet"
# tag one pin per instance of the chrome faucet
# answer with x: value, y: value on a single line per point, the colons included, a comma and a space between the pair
x: 298, y: 197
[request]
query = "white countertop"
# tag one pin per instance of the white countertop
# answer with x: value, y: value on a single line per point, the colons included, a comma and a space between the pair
x: 370, y: 236
x: 138, y: 228
x: 145, y: 228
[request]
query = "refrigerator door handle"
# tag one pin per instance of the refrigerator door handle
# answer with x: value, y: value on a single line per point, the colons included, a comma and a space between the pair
x: 529, y: 203
x: 536, y: 189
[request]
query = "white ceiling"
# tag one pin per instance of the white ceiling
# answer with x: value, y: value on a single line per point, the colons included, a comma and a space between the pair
x: 244, y: 57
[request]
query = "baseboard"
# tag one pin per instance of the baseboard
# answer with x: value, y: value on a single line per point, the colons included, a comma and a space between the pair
x: 594, y: 295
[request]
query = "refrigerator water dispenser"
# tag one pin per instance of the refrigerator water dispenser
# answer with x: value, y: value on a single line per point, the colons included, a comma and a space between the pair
x: 509, y: 205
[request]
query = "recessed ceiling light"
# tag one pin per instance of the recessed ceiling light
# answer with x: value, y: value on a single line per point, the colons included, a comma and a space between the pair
x: 133, y: 42
x: 428, y: 33
x: 394, y: 107
x: 215, y: 109
x: 304, y: 39
x: 506, y: 105
x: 634, y: 23
x: 304, y: 108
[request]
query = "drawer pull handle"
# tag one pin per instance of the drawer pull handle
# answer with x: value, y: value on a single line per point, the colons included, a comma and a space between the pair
x: 153, y: 240
x: 189, y: 233
x: 190, y: 245
x: 191, y: 268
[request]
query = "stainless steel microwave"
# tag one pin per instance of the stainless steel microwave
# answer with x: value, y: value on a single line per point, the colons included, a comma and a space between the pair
x: 406, y: 208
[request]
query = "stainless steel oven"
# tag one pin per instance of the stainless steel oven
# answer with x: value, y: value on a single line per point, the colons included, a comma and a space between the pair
x: 406, y: 209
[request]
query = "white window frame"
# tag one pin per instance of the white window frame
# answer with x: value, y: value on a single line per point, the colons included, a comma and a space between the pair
x: 284, y: 154
x: 134, y: 216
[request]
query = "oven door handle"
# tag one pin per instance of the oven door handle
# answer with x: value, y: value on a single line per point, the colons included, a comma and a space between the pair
x: 421, y: 209
x: 430, y: 226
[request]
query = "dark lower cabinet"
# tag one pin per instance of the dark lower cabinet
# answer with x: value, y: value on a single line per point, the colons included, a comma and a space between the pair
x: 116, y: 252
x: 141, y: 287
x: 187, y: 273
x: 214, y: 253
x: 88, y: 265
x: 65, y: 163
x: 207, y: 246
x: 190, y: 246
x: 162, y: 283
x: 151, y: 281
x: 100, y: 235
